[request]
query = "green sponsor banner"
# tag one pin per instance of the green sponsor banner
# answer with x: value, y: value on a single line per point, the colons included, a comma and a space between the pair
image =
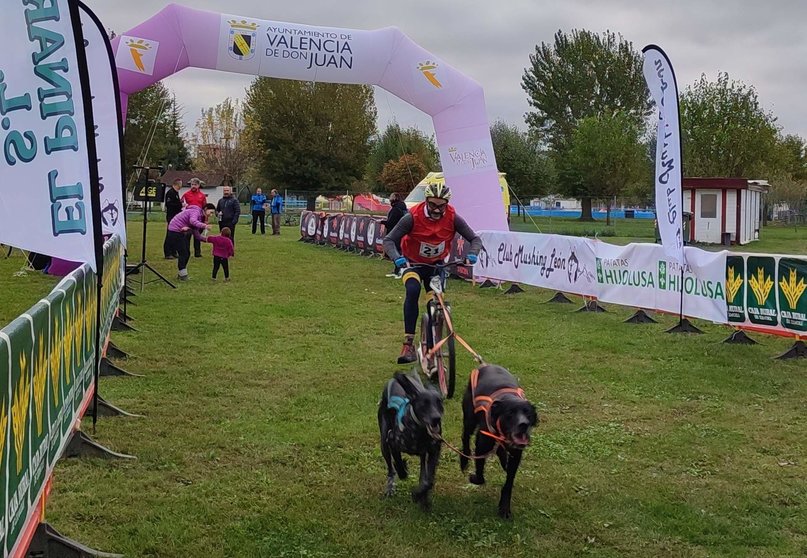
x: 761, y: 294
x: 5, y: 429
x: 735, y: 288
x: 57, y: 383
x: 40, y: 318
x: 68, y: 354
x: 79, y: 334
x: 19, y: 473
x: 90, y: 304
x: 792, y: 284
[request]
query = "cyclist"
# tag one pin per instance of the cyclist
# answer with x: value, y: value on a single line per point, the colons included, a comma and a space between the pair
x: 425, y: 234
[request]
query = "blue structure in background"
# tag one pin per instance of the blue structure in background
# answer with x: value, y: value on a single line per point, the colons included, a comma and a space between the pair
x: 575, y: 213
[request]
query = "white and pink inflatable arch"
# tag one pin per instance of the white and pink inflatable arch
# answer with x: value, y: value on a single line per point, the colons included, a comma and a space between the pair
x: 178, y: 37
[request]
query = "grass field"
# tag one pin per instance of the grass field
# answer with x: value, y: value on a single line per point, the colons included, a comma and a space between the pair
x: 260, y: 438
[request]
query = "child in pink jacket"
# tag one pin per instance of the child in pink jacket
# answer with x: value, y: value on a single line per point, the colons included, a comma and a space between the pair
x: 223, y: 250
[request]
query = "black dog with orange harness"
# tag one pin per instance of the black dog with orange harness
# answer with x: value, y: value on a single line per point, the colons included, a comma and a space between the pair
x: 495, y: 407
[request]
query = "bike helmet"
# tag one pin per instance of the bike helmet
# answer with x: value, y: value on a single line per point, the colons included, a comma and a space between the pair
x: 437, y: 191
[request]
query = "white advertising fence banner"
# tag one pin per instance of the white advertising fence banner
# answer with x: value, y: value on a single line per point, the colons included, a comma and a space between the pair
x: 564, y: 263
x: 637, y: 275
x: 644, y: 276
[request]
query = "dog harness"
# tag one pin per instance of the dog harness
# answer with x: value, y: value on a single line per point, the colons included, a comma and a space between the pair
x: 483, y: 403
x: 400, y: 405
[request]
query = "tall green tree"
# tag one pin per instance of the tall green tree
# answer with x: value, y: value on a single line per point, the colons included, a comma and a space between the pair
x: 309, y: 136
x: 394, y: 142
x: 605, y: 157
x: 788, y: 184
x: 725, y: 131
x: 528, y: 169
x: 792, y: 159
x: 154, y: 133
x: 220, y: 145
x: 582, y: 75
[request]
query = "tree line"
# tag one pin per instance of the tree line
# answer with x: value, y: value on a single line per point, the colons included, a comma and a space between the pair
x: 590, y: 132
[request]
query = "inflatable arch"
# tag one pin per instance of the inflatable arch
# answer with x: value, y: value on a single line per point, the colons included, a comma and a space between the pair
x: 178, y: 37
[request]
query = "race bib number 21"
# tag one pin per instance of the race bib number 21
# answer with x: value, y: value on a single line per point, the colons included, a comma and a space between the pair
x: 432, y: 250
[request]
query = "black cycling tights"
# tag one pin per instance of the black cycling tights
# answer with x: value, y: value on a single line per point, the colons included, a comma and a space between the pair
x: 411, y: 305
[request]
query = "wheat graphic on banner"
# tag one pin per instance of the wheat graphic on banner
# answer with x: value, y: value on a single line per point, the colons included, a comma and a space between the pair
x: 733, y: 284
x: 761, y: 285
x: 791, y: 289
x: 40, y: 380
x: 19, y: 410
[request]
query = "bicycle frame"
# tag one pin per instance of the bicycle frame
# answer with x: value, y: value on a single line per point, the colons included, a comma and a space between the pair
x: 437, y: 284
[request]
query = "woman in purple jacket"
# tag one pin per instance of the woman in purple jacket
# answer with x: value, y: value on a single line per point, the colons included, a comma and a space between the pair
x: 191, y: 220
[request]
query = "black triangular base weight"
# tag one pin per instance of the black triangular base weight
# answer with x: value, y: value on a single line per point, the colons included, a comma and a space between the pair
x: 739, y: 337
x: 560, y: 298
x: 120, y: 325
x: 798, y: 350
x: 640, y: 317
x: 110, y: 369
x: 488, y: 284
x: 115, y: 352
x: 81, y: 445
x: 514, y: 289
x: 107, y: 409
x: 684, y: 326
x: 124, y: 316
x: 591, y: 306
x: 49, y: 543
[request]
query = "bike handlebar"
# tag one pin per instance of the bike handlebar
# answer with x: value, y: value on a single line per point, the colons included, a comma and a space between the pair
x: 460, y: 263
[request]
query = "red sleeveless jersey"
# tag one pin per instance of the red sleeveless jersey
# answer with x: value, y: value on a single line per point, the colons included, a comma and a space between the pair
x: 429, y: 241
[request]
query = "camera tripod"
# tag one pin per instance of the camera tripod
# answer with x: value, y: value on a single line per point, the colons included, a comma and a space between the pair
x: 143, y: 264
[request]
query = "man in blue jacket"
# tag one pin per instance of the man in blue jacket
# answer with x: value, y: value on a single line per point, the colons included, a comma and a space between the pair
x: 277, y: 209
x: 259, y: 201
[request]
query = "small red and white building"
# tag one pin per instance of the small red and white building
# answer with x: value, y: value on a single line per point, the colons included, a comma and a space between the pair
x: 724, y: 210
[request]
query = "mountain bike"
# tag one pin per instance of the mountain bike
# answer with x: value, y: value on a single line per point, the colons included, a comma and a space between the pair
x: 436, y: 352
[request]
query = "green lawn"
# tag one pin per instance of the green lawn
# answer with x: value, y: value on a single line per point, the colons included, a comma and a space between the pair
x: 260, y: 436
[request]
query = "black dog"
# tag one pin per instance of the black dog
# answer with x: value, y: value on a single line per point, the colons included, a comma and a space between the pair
x: 495, y: 405
x: 410, y: 417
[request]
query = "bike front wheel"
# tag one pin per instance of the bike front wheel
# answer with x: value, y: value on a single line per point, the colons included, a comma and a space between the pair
x: 445, y: 358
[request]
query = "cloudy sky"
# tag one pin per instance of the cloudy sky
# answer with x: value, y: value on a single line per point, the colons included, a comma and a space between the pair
x: 760, y: 43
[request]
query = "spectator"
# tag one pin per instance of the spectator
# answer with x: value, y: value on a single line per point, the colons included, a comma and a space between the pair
x: 196, y: 197
x: 397, y: 211
x: 173, y: 205
x: 223, y: 250
x: 229, y: 211
x: 191, y: 220
x: 259, y: 202
x: 277, y: 209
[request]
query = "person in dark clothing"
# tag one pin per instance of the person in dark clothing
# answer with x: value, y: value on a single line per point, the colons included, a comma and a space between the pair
x: 229, y: 211
x: 259, y: 203
x: 173, y: 205
x: 397, y: 211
